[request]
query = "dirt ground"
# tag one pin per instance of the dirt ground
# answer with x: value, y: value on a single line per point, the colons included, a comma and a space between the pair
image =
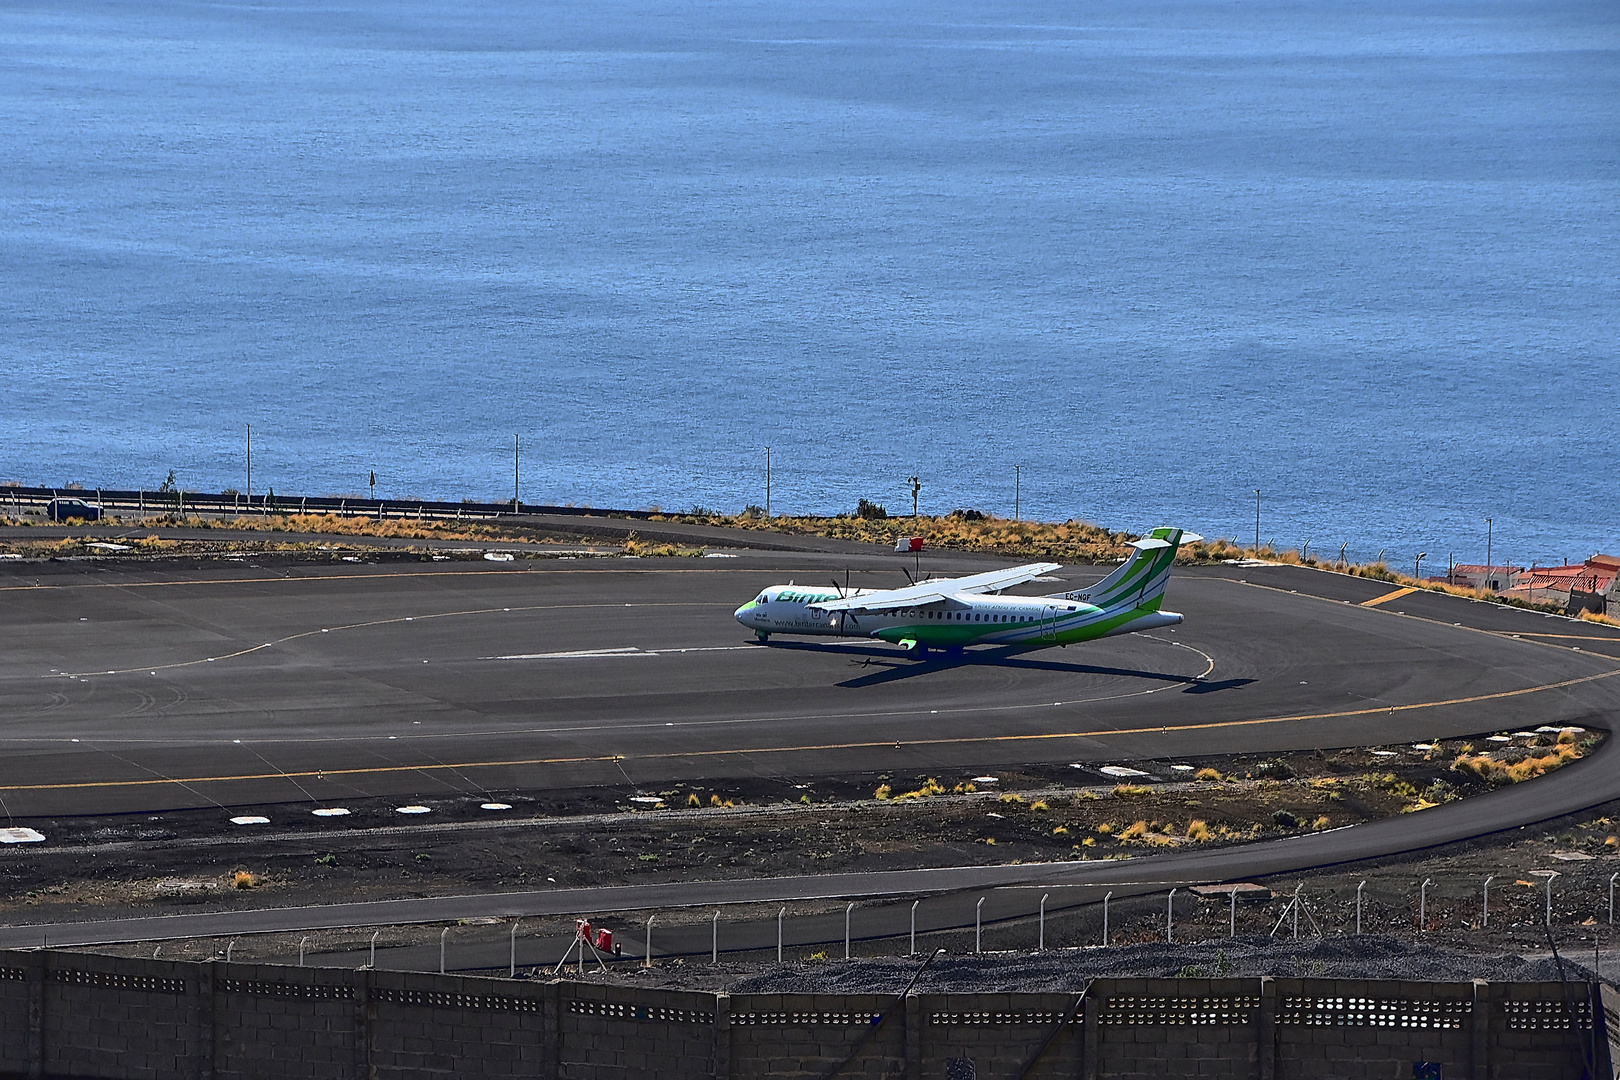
x: 194, y: 861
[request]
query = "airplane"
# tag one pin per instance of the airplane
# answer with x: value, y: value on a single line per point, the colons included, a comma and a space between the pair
x: 953, y: 613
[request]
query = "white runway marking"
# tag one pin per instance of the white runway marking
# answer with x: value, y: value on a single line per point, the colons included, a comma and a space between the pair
x: 628, y: 650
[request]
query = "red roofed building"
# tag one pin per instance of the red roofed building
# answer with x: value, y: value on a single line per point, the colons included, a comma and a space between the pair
x: 1579, y: 587
x: 1488, y: 578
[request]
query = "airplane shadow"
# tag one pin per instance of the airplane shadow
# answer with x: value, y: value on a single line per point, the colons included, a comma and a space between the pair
x: 897, y: 668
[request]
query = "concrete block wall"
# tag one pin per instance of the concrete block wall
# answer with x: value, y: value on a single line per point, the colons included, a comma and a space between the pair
x: 986, y: 1035
x: 1153, y: 1028
x: 619, y: 1033
x: 80, y: 1016
x: 808, y: 1035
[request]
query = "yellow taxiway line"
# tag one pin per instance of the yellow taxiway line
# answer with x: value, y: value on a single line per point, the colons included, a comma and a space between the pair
x: 745, y: 751
x: 1387, y: 597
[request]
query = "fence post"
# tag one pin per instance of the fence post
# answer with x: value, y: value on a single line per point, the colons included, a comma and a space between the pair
x: 914, y: 904
x: 1040, y: 944
x: 1231, y: 912
x: 1267, y: 1035
x: 714, y: 940
x: 1170, y: 918
x: 1423, y: 906
x: 511, y: 962
x: 779, y: 916
x: 1363, y: 885
x: 647, y: 963
x: 978, y: 925
x: 1106, y: 895
x: 442, y: 934
x: 1485, y: 902
x: 847, y: 912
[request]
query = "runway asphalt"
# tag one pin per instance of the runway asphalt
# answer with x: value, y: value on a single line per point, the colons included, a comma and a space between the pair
x: 135, y: 687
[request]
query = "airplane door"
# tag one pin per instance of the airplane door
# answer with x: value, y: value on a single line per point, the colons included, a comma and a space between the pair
x: 1049, y: 617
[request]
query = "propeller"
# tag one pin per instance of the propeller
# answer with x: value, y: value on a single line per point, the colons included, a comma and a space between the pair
x: 844, y: 616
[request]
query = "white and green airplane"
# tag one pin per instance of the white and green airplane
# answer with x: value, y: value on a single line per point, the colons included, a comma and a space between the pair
x: 953, y: 613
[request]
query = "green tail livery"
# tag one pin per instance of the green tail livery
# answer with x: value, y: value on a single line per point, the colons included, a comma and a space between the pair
x: 953, y: 613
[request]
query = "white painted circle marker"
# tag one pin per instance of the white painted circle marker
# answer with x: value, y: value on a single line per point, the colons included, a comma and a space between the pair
x: 331, y: 811
x: 414, y: 809
x: 250, y: 819
x: 495, y: 806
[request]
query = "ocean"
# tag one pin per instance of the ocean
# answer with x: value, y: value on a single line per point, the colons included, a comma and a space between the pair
x: 1141, y: 260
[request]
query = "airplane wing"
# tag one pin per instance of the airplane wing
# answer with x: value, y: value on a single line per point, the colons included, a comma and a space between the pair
x: 929, y: 592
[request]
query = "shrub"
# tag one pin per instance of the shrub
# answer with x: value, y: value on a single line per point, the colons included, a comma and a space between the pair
x: 1197, y: 830
x: 693, y: 800
x: 1209, y: 776
x: 1129, y: 791
x: 1275, y: 769
x: 1061, y: 830
x: 929, y: 789
x: 1106, y: 828
x: 1039, y: 804
x: 326, y: 860
x: 243, y: 879
x: 714, y: 800
x: 1011, y: 798
x: 1135, y: 831
x: 868, y: 510
x: 1321, y: 822
x: 883, y: 791
x: 1284, y: 818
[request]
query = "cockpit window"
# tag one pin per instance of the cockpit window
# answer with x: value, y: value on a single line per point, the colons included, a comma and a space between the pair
x: 763, y: 599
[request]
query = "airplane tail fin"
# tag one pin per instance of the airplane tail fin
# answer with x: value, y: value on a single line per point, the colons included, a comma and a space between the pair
x: 1140, y: 581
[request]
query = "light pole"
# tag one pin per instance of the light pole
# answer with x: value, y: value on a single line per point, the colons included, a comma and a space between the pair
x: 373, y: 483
x: 1257, y: 520
x: 250, y: 467
x: 1417, y: 563
x: 767, y: 481
x: 1488, y: 528
x: 514, y: 474
x: 1018, y: 477
x: 916, y: 488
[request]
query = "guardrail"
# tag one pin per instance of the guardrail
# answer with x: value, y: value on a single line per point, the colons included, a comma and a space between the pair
x: 18, y: 498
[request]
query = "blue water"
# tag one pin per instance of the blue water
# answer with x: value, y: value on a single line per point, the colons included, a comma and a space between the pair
x: 1363, y: 257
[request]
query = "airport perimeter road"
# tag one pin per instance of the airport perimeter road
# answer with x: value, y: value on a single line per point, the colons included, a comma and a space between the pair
x: 129, y: 688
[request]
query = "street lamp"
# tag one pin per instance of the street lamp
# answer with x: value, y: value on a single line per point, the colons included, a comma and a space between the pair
x: 916, y: 487
x: 767, y: 481
x: 1417, y: 564
x: 1488, y: 527
x: 1017, y: 488
x: 1257, y: 520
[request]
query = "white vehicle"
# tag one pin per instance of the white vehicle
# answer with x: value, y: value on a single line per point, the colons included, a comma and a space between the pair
x: 953, y: 613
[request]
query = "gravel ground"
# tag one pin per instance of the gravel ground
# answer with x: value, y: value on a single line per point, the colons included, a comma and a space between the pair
x: 1067, y: 970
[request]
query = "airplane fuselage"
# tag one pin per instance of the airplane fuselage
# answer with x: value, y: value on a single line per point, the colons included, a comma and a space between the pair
x: 958, y: 621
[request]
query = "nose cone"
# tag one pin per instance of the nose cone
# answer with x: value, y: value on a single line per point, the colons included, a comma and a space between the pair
x: 745, y: 614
